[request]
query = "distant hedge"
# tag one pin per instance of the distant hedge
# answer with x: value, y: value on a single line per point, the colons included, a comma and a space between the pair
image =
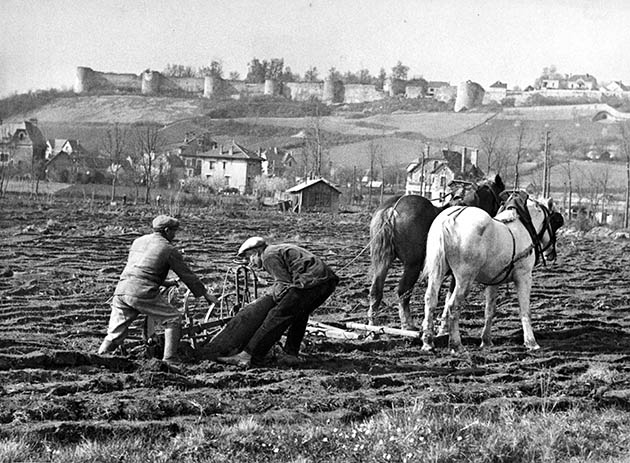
x: 26, y: 102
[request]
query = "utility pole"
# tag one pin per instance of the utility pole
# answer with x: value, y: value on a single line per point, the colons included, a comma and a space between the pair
x: 546, y: 168
x: 354, y: 185
x: 422, y: 161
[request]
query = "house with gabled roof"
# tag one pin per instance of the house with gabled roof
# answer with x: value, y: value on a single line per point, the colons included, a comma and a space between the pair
x: 434, y: 87
x: 22, y: 147
x: 276, y: 161
x: 234, y: 165
x: 582, y: 82
x: 616, y: 86
x: 431, y: 177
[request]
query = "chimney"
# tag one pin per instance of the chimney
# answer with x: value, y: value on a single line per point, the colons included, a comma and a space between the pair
x: 474, y: 156
x: 463, y: 167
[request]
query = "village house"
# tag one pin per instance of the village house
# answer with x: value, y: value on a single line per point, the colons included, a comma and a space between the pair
x: 497, y: 92
x: 434, y: 87
x: 277, y: 161
x: 552, y: 83
x: 582, y: 82
x: 22, y: 148
x: 316, y: 195
x: 234, y: 166
x: 616, y: 87
x: 430, y: 177
x: 67, y: 160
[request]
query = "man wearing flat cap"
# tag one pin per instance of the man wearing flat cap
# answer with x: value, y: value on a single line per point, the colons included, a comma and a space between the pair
x: 138, y: 291
x: 302, y: 282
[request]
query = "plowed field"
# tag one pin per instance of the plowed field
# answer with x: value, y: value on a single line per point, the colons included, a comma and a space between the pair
x: 59, y: 264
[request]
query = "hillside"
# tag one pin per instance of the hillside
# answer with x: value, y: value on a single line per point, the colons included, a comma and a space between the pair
x: 400, y: 135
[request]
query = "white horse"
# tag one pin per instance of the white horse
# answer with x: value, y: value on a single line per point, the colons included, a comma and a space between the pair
x: 490, y: 251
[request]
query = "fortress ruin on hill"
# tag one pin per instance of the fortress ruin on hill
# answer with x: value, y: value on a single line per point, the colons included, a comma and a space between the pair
x: 329, y: 91
x: 466, y: 95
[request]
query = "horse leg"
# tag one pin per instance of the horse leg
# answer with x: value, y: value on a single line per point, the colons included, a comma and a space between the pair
x: 523, y: 289
x: 453, y: 308
x: 430, y: 303
x: 376, y: 290
x: 405, y: 288
x: 491, y: 307
x: 443, y: 331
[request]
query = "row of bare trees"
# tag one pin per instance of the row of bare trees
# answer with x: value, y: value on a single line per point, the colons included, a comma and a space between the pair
x: 134, y: 152
x: 594, y: 185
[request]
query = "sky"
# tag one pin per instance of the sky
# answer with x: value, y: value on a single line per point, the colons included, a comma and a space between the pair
x: 43, y: 41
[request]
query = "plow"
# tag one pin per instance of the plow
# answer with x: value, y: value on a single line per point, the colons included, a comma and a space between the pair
x: 224, y: 328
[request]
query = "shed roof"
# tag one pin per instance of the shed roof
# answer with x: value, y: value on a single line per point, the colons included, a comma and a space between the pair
x: 309, y: 183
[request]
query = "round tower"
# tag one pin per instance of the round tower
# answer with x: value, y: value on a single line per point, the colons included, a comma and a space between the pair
x: 329, y: 91
x: 271, y: 87
x: 150, y: 82
x: 82, y: 79
x: 208, y: 87
x: 469, y: 95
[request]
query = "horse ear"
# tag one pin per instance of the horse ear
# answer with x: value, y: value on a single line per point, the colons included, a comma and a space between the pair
x: 498, y: 181
x: 550, y: 205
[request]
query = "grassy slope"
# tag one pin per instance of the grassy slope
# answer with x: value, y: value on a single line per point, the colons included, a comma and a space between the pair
x: 401, y: 135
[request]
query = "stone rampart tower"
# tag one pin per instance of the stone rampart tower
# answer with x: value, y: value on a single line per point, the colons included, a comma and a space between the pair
x: 82, y: 79
x: 150, y: 82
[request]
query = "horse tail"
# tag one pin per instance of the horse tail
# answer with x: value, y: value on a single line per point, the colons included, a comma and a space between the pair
x: 382, y: 237
x: 435, y: 263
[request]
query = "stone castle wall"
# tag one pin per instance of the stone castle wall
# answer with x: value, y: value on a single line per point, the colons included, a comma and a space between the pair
x: 154, y: 83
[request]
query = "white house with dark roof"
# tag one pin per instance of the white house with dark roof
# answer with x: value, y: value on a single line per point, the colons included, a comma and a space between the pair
x: 234, y: 164
x: 582, y: 82
x: 431, y: 177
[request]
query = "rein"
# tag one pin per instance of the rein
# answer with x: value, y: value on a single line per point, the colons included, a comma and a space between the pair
x: 536, y: 237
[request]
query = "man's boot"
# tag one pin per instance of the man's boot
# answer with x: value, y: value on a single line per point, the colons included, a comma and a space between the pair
x: 171, y: 343
x: 107, y: 347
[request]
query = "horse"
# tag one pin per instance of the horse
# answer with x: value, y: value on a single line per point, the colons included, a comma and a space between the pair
x: 399, y: 229
x: 478, y: 248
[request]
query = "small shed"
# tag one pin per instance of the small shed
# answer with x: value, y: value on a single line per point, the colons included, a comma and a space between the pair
x: 317, y: 195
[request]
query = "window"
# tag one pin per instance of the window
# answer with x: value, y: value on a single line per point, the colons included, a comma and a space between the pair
x: 4, y: 157
x: 224, y: 165
x: 442, y: 181
x: 210, y: 165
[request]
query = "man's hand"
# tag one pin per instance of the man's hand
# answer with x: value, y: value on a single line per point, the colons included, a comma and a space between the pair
x: 210, y: 298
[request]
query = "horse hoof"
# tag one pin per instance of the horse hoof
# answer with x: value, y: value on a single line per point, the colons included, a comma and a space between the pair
x: 532, y: 347
x: 427, y: 348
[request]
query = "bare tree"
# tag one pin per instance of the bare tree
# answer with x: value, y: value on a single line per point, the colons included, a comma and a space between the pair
x: 114, y: 145
x: 570, y: 147
x: 148, y: 143
x: 375, y: 155
x: 624, y: 129
x: 522, y: 145
x: 314, y: 145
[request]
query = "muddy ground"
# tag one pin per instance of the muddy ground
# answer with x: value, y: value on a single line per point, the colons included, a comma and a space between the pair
x: 59, y: 264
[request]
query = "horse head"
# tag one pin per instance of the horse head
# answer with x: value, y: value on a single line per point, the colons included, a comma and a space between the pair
x: 541, y: 220
x: 485, y: 195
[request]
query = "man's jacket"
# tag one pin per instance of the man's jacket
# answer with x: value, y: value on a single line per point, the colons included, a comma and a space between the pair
x: 150, y: 258
x: 294, y: 267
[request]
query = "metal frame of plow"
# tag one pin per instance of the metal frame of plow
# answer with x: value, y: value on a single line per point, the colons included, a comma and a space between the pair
x: 199, y: 333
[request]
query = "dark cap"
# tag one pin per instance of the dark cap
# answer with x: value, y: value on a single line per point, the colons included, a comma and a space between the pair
x: 164, y: 221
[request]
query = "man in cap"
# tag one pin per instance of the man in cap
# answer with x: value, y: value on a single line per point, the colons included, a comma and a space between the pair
x: 138, y: 291
x: 302, y: 282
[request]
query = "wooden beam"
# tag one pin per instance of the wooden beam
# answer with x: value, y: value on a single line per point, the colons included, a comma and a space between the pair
x: 383, y: 329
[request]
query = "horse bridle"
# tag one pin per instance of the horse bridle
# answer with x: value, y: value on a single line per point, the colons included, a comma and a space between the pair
x: 536, y: 236
x: 475, y: 188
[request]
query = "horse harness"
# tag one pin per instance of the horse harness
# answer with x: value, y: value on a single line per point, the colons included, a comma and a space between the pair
x: 517, y: 202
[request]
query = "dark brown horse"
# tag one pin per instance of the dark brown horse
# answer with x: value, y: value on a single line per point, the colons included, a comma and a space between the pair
x: 399, y: 229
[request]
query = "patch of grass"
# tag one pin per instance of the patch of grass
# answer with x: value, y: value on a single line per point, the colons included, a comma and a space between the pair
x: 419, y: 432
